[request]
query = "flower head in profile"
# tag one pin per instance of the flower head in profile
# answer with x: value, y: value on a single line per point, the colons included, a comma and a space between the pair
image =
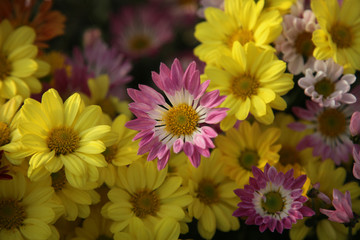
x: 338, y: 36
x: 140, y: 31
x: 272, y: 200
x: 355, y: 137
x: 343, y: 212
x: 180, y: 121
x: 328, y: 88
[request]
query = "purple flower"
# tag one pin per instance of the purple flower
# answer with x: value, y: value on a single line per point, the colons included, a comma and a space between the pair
x: 273, y: 199
x: 181, y: 120
x: 343, y: 208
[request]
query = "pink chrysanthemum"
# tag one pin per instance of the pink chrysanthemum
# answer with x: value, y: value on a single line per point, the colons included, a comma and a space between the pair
x: 295, y: 42
x: 273, y: 199
x: 331, y: 136
x: 355, y: 137
x: 140, y: 31
x: 328, y: 88
x: 343, y: 208
x: 180, y: 120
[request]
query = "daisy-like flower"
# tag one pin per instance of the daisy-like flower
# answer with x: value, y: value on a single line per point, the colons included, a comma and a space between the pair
x: 331, y: 136
x: 338, y: 37
x: 242, y: 21
x: 253, y: 81
x: 19, y: 68
x: 326, y: 177
x: 355, y: 137
x: 245, y: 147
x: 8, y: 126
x: 47, y: 23
x: 295, y: 42
x: 143, y: 196
x: 25, y: 210
x: 273, y: 200
x: 57, y: 134
x: 181, y: 124
x: 328, y: 88
x: 140, y: 31
x: 343, y: 212
x: 120, y: 153
x: 214, y: 200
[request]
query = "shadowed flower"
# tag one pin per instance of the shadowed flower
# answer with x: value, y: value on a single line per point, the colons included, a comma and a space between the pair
x: 331, y: 136
x: 48, y: 24
x: 328, y: 88
x: 343, y: 208
x: 140, y: 31
x: 181, y: 124
x: 272, y: 200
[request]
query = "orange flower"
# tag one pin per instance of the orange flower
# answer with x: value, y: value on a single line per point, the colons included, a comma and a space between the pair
x: 47, y: 24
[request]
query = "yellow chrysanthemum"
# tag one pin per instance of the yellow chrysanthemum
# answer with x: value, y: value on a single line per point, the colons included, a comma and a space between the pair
x: 143, y: 197
x: 95, y: 227
x: 120, y: 153
x: 214, y: 197
x: 329, y: 177
x: 290, y: 157
x: 56, y: 61
x: 282, y: 5
x: 245, y: 147
x: 8, y: 129
x: 243, y: 21
x: 253, y: 81
x: 110, y: 105
x: 339, y: 35
x: 25, y: 212
x: 19, y: 68
x: 57, y: 134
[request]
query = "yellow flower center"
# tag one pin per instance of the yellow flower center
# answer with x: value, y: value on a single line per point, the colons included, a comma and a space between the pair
x: 58, y: 180
x: 332, y: 123
x: 241, y: 35
x: 145, y: 203
x: 181, y: 120
x: 325, y: 87
x: 244, y: 86
x: 5, y: 67
x: 207, y: 192
x: 248, y: 159
x: 288, y: 155
x: 304, y: 45
x: 342, y: 35
x: 139, y: 42
x: 63, y: 140
x: 12, y: 214
x: 272, y: 202
x: 110, y: 153
x: 4, y: 134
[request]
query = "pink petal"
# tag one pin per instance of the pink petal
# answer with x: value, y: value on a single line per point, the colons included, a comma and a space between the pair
x: 161, y: 163
x: 176, y: 74
x: 201, y: 89
x: 141, y: 124
x: 212, y: 99
x: 188, y: 149
x: 199, y: 141
x: 178, y: 145
x: 195, y: 159
x: 152, y: 94
x: 355, y: 124
x: 208, y: 131
x: 215, y: 115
